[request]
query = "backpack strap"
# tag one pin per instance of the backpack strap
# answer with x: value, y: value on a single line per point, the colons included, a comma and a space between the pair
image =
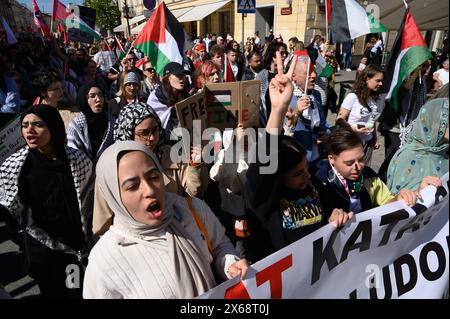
x: 200, y: 225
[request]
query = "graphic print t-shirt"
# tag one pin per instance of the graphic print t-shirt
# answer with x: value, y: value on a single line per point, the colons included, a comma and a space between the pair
x: 301, y: 213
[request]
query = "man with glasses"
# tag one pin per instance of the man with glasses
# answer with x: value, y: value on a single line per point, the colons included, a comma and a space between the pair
x: 151, y: 80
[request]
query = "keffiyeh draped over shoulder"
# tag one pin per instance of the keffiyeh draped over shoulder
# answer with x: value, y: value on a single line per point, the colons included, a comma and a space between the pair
x: 191, y: 271
x: 425, y: 152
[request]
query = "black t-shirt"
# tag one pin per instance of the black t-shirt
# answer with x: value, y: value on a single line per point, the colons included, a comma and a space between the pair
x: 301, y: 213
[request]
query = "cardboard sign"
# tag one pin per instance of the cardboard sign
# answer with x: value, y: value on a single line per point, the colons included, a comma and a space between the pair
x: 250, y: 101
x: 230, y: 103
x: 190, y: 109
x: 11, y: 138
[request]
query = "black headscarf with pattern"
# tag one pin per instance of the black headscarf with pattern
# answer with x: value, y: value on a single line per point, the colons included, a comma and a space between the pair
x: 130, y: 117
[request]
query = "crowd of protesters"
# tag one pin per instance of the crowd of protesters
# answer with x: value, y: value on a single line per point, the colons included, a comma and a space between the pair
x: 96, y: 186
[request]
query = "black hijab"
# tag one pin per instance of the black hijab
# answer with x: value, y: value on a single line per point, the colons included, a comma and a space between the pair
x: 47, y: 185
x: 97, y: 122
x: 55, y: 124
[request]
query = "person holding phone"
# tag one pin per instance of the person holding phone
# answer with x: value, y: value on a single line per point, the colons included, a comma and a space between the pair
x: 360, y: 108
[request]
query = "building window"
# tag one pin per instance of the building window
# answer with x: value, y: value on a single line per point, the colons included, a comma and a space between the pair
x: 224, y: 22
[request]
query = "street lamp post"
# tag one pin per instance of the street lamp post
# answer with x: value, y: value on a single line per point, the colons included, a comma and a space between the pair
x: 127, y: 16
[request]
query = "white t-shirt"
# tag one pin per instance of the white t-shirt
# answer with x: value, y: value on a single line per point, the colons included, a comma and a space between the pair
x: 106, y: 59
x: 359, y: 115
x: 442, y: 75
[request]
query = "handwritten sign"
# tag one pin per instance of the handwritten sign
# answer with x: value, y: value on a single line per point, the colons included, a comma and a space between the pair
x: 11, y: 138
x: 230, y: 103
x: 190, y: 109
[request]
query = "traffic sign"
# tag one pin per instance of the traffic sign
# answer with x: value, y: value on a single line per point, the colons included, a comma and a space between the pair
x: 149, y: 4
x: 246, y: 6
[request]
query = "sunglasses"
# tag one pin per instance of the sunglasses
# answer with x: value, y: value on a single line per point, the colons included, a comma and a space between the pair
x: 150, y: 70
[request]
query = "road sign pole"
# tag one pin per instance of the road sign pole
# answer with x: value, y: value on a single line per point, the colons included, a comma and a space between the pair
x: 243, y: 43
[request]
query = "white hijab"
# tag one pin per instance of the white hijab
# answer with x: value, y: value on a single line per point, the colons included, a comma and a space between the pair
x: 189, y: 267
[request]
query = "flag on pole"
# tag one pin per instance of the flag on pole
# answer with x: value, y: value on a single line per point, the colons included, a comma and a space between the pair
x: 62, y: 30
x: 39, y: 20
x: 228, y: 75
x: 408, y: 53
x: 60, y: 12
x: 322, y: 68
x: 350, y: 20
x: 140, y: 63
x: 162, y: 39
x: 328, y: 9
x: 121, y: 52
x: 10, y: 37
x: 71, y: 20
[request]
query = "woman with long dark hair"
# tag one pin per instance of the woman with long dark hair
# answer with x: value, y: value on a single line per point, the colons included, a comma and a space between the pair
x: 360, y: 108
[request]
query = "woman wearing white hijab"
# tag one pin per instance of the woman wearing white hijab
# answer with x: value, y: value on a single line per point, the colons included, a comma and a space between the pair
x: 155, y: 248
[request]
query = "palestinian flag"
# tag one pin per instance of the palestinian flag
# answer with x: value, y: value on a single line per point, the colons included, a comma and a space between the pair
x: 71, y: 20
x: 162, y: 39
x: 322, y: 68
x: 350, y: 20
x: 121, y: 53
x: 408, y: 53
x: 39, y: 20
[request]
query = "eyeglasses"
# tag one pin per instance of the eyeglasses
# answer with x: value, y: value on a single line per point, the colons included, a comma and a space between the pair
x: 132, y: 59
x: 146, y: 133
x: 150, y: 70
x: 38, y: 124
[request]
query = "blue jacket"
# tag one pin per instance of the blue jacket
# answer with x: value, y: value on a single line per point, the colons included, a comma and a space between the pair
x: 303, y: 132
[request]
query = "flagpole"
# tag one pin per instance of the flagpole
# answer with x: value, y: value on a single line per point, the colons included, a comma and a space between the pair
x: 51, y: 20
x: 307, y: 74
x: 326, y: 20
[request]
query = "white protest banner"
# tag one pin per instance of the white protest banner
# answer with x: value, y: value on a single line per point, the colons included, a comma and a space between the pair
x: 11, y: 138
x: 392, y: 251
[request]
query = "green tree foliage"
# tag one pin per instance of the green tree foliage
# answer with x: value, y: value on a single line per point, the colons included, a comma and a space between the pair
x: 108, y: 14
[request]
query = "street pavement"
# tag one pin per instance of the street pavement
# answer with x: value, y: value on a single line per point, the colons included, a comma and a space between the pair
x: 12, y: 273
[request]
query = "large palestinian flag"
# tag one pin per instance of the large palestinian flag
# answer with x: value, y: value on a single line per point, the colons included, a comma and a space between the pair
x: 162, y: 39
x: 62, y: 15
x: 408, y: 52
x: 350, y: 20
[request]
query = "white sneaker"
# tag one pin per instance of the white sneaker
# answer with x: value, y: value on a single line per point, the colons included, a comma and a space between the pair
x: 348, y: 70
